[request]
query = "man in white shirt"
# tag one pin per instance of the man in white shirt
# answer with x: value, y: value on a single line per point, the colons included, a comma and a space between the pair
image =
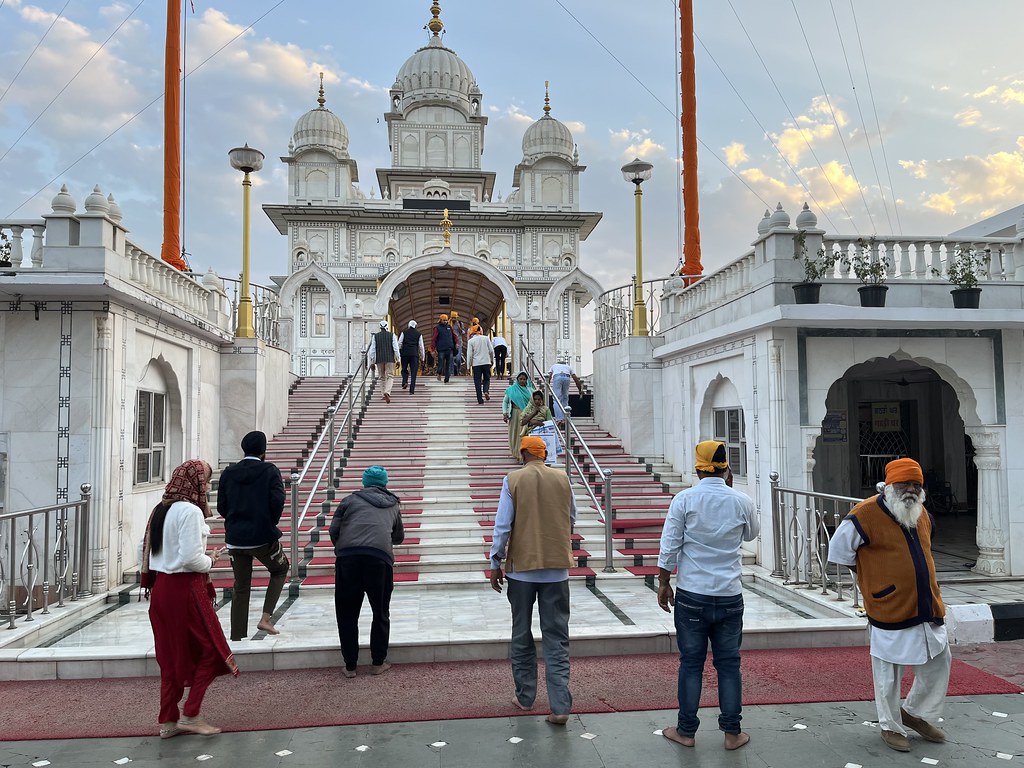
x: 560, y: 374
x: 481, y: 357
x: 703, y: 534
x: 500, y: 353
x: 886, y: 541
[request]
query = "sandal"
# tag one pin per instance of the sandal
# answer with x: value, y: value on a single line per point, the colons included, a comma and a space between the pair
x: 169, y: 730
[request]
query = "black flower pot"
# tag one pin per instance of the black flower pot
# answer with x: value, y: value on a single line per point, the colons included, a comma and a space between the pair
x: 806, y: 293
x: 872, y: 295
x: 966, y: 298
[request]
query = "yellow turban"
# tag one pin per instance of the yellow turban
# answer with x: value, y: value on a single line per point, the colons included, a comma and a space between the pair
x: 534, y: 445
x: 705, y: 457
x: 903, y: 471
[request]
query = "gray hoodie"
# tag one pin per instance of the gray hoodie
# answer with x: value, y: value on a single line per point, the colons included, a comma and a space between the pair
x: 368, y: 522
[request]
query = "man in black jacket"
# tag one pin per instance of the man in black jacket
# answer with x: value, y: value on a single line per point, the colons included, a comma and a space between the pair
x: 250, y: 498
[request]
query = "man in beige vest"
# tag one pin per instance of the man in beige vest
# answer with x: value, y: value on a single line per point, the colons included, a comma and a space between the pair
x: 532, y: 535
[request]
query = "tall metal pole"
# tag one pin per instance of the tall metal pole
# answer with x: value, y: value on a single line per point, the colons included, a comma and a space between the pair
x: 688, y: 126
x: 170, y: 249
x: 244, y: 328
x: 639, y: 309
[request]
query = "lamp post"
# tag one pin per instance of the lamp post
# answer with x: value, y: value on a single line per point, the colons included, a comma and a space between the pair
x: 637, y: 172
x: 247, y: 160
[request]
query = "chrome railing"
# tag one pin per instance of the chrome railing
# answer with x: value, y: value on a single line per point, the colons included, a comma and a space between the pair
x: 61, y: 531
x: 266, y: 308
x: 571, y: 437
x: 614, y: 312
x: 804, y: 522
x: 321, y: 459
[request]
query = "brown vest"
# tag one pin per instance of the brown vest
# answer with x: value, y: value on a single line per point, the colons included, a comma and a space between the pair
x: 895, y: 569
x: 541, y: 498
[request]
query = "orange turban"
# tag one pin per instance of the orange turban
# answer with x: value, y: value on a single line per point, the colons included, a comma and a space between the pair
x: 534, y: 445
x: 705, y: 457
x: 903, y: 471
x: 443, y: 318
x: 475, y: 330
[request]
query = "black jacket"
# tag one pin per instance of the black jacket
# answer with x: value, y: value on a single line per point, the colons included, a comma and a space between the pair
x: 250, y: 498
x: 368, y: 522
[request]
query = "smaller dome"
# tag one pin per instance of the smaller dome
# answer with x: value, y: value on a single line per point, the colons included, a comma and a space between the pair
x: 437, y: 188
x: 320, y: 129
x: 115, y: 210
x: 96, y: 202
x: 548, y: 137
x: 779, y: 219
x: 212, y: 280
x: 765, y: 223
x: 806, y: 219
x: 62, y: 201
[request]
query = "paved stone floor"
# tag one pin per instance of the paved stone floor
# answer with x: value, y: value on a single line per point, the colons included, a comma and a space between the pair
x: 982, y: 730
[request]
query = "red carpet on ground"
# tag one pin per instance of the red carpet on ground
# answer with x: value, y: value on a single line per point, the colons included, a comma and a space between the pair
x: 65, y: 709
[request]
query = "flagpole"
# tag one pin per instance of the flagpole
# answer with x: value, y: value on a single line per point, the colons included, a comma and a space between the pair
x: 170, y: 250
x: 688, y: 124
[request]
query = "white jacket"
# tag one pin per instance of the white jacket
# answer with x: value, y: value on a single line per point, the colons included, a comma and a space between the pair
x: 480, y: 351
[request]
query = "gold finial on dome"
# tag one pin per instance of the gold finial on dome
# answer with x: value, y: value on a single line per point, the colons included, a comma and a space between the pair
x: 321, y: 100
x: 435, y: 25
x: 446, y: 223
x: 547, y: 101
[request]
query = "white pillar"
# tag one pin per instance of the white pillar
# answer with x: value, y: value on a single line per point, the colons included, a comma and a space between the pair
x: 990, y: 536
x: 102, y: 451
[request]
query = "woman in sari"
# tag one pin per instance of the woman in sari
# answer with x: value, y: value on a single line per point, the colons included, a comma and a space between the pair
x: 190, y: 645
x: 517, y: 398
x: 535, y: 414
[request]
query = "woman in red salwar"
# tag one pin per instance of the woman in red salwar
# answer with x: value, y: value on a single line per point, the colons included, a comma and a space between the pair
x: 190, y: 645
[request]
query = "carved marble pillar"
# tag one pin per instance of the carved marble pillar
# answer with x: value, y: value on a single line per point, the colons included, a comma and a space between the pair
x: 101, y: 450
x: 990, y: 535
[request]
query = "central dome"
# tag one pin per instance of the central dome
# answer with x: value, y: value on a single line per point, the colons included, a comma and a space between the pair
x: 435, y: 73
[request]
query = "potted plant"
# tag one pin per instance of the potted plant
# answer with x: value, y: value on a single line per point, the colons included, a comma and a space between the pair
x: 815, y: 268
x: 872, y: 272
x: 963, y: 270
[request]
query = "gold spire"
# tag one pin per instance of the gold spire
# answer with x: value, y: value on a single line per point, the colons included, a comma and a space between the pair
x: 547, y: 101
x: 321, y: 101
x: 435, y: 25
x: 446, y: 223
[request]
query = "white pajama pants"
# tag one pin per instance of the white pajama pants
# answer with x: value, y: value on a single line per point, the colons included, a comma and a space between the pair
x: 927, y: 694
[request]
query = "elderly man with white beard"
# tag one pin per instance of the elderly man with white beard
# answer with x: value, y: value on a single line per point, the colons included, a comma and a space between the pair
x: 886, y: 541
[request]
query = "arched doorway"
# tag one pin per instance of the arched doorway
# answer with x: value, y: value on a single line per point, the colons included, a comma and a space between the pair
x: 888, y: 408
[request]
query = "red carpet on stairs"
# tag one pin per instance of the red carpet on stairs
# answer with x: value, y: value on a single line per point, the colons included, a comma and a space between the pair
x: 63, y: 709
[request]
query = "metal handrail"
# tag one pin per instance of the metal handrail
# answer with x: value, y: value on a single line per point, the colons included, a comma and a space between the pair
x: 572, y: 436
x: 60, y: 553
x: 332, y: 438
x: 802, y: 534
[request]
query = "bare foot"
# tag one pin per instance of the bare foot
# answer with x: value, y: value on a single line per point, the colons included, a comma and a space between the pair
x: 520, y: 705
x: 672, y: 734
x: 736, y: 740
x: 267, y: 627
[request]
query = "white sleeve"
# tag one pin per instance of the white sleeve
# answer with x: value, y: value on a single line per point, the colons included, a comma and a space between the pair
x: 193, y: 549
x: 842, y: 549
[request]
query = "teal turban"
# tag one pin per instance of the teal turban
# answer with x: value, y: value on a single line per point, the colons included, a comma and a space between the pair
x: 375, y: 475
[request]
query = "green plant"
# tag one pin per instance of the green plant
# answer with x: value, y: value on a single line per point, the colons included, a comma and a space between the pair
x: 964, y: 267
x: 868, y: 270
x: 817, y: 267
x: 5, y: 250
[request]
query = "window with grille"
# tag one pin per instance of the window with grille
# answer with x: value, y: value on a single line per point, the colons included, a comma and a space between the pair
x: 150, y: 430
x: 730, y: 429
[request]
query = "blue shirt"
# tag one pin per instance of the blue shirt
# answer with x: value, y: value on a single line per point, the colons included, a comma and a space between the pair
x: 503, y: 521
x: 704, y: 529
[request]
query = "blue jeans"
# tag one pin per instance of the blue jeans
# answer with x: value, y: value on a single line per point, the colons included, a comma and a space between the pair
x: 553, y: 601
x: 560, y: 389
x: 444, y: 363
x: 698, y: 619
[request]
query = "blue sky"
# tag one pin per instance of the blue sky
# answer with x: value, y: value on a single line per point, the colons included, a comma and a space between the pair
x: 947, y: 89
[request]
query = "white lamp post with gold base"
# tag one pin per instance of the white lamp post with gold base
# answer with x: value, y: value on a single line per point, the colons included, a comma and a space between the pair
x: 637, y: 172
x: 247, y: 160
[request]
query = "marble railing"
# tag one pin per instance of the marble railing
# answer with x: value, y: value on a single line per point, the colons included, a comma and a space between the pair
x: 160, y: 279
x: 925, y: 258
x: 614, y: 313
x: 682, y: 300
x: 12, y: 243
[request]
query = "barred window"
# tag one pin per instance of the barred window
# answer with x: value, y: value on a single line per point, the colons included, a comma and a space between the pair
x: 730, y: 429
x: 150, y: 441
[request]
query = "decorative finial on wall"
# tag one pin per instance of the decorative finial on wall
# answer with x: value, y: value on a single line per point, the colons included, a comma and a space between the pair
x: 321, y: 100
x: 446, y: 223
x: 547, y: 101
x: 435, y: 25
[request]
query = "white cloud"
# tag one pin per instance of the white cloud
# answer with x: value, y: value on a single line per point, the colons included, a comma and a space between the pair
x: 735, y: 154
x: 968, y: 117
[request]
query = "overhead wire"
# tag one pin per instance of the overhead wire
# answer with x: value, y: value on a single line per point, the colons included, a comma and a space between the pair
x: 792, y: 116
x: 860, y: 111
x: 69, y: 82
x: 33, y: 52
x: 878, y: 124
x: 654, y: 96
x: 114, y: 132
x: 835, y: 119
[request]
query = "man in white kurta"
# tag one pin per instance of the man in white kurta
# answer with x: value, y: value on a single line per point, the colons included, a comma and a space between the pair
x: 886, y: 541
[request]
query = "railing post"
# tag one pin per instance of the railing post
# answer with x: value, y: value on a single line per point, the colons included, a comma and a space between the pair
x: 566, y: 444
x: 295, y: 525
x: 12, y: 604
x: 60, y: 556
x: 351, y: 415
x: 46, y: 564
x: 330, y: 449
x: 777, y: 527
x: 608, y: 549
x: 82, y: 525
x: 29, y: 562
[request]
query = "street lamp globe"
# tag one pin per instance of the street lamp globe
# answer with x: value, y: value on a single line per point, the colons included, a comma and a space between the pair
x: 637, y: 171
x: 246, y: 159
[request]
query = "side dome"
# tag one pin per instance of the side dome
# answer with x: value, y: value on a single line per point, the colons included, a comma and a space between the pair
x: 320, y: 129
x: 548, y: 137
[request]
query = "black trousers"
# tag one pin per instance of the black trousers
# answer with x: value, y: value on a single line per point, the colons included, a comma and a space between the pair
x: 500, y: 353
x: 356, y: 576
x: 444, y: 363
x: 410, y: 365
x: 481, y: 381
x: 276, y: 562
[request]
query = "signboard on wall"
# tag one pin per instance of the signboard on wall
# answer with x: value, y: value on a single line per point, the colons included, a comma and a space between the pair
x: 835, y: 426
x: 885, y: 417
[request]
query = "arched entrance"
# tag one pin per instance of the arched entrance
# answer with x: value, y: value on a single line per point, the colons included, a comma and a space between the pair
x: 888, y: 408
